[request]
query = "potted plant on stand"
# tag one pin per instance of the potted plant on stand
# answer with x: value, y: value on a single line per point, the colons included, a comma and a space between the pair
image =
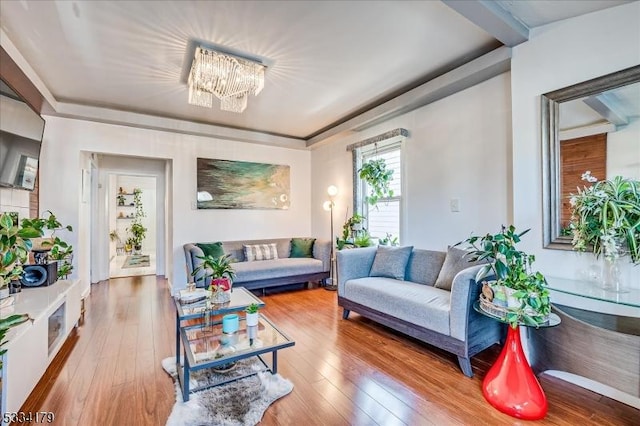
x: 605, y: 218
x: 515, y: 294
x: 221, y: 275
x: 252, y: 314
x: 139, y: 232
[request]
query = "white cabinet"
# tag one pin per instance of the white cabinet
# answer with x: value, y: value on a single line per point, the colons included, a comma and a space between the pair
x: 31, y: 346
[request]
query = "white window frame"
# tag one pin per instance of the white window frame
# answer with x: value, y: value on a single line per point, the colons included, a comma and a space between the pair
x: 366, y: 152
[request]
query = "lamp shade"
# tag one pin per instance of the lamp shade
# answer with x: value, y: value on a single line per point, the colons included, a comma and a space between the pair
x: 327, y: 205
x: 332, y: 190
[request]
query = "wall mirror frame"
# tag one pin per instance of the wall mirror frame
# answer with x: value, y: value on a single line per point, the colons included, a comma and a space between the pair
x: 550, y: 115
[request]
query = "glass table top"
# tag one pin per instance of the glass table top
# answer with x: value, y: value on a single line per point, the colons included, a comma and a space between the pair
x: 593, y: 290
x: 207, y: 345
x: 240, y: 299
x: 553, y: 320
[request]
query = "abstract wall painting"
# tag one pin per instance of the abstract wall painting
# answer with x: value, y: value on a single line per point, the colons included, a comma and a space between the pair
x: 224, y: 184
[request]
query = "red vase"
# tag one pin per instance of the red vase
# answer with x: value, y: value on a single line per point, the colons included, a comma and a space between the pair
x: 510, y: 385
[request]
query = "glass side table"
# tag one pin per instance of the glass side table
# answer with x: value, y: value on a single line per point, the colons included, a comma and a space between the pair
x: 510, y: 384
x: 240, y: 299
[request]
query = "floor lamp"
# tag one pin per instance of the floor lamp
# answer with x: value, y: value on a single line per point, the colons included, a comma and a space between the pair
x: 332, y: 190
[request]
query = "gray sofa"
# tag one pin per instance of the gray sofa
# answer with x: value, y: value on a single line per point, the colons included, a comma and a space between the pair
x: 261, y: 274
x: 415, y: 307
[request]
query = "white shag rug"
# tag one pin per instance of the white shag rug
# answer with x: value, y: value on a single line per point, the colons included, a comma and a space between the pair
x: 239, y: 403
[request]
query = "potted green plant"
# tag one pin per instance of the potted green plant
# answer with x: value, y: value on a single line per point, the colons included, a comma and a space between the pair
x: 605, y: 218
x: 221, y: 275
x: 519, y: 295
x: 128, y: 245
x: 138, y: 232
x: 15, y: 244
x: 252, y: 314
x: 62, y: 252
x: 378, y: 178
x: 352, y: 229
x: 389, y: 240
x: 120, y: 199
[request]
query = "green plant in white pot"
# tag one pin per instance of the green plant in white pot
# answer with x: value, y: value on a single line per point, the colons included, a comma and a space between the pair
x: 522, y: 293
x: 252, y: 314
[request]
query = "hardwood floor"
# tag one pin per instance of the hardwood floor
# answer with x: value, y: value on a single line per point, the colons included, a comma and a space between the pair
x: 344, y: 372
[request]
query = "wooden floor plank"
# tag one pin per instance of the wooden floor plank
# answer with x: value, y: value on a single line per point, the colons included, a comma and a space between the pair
x: 344, y: 371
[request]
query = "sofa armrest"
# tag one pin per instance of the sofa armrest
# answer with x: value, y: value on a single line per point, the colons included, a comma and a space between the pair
x: 464, y: 293
x: 191, y: 251
x: 354, y: 263
x: 322, y: 251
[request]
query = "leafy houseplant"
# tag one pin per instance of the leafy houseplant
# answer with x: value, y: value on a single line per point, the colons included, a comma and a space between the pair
x: 376, y: 175
x: 139, y: 232
x: 59, y: 250
x: 252, y: 315
x: 605, y: 217
x: 137, y: 229
x: 15, y: 244
x: 353, y: 233
x: 221, y: 272
x: 389, y: 240
x: 120, y: 199
x: 5, y: 325
x: 529, y: 297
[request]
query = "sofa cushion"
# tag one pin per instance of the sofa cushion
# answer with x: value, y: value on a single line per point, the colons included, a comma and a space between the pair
x: 302, y: 247
x: 418, y: 304
x: 424, y: 266
x: 266, y: 269
x: 254, y: 252
x: 453, y: 263
x: 212, y: 249
x: 390, y: 262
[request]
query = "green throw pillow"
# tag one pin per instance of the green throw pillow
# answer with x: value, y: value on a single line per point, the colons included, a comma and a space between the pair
x: 212, y: 249
x: 302, y: 247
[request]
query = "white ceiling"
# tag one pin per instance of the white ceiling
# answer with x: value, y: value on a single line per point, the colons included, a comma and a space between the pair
x: 331, y: 60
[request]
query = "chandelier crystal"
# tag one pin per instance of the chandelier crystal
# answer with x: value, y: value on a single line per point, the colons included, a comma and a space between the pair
x: 229, y: 78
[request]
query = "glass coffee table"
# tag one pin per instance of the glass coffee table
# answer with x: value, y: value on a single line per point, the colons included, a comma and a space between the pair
x: 240, y: 299
x: 206, y: 346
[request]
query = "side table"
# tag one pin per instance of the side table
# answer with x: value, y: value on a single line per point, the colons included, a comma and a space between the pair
x: 510, y: 384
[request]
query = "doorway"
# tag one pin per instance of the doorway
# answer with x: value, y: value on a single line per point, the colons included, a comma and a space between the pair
x: 144, y: 181
x: 132, y: 209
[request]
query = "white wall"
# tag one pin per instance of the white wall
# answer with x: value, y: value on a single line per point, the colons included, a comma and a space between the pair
x: 458, y: 147
x: 556, y: 56
x: 65, y: 140
x: 14, y: 200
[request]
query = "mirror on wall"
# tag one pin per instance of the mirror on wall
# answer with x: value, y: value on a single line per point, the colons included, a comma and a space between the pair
x: 591, y: 126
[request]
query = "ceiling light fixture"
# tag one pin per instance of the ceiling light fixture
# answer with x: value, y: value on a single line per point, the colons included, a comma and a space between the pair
x: 230, y: 78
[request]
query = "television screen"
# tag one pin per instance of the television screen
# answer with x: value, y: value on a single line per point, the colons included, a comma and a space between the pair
x: 18, y: 161
x: 21, y: 131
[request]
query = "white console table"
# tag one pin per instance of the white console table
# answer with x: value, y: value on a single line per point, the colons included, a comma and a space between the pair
x: 598, y: 344
x: 31, y: 346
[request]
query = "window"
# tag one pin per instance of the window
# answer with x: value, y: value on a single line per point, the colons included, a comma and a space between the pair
x: 384, y: 217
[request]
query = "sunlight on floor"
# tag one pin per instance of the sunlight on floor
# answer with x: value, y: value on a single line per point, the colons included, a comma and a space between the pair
x: 116, y: 270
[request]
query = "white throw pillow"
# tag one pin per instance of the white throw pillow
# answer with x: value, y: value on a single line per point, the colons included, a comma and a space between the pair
x: 260, y: 252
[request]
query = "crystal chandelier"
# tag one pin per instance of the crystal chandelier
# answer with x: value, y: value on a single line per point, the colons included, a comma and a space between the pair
x: 228, y: 77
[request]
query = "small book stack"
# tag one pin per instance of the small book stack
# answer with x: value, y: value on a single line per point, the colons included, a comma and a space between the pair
x: 193, y: 296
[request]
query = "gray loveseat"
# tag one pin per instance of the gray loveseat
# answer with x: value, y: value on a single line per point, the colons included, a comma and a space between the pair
x: 415, y: 307
x: 260, y: 274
